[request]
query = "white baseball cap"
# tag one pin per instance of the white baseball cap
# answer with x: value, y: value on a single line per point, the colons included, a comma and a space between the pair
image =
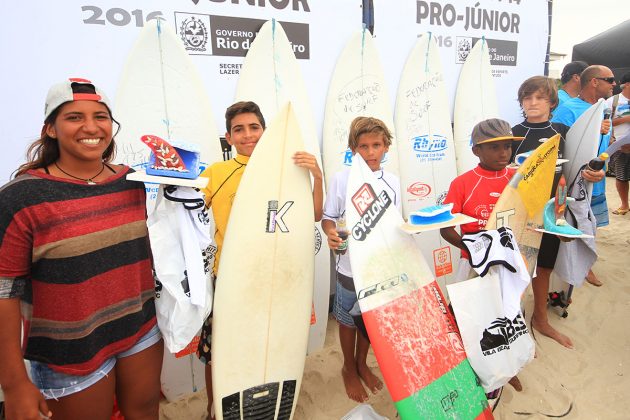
x: 73, y: 89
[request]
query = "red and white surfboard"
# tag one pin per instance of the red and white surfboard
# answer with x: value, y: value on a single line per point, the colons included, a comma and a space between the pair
x: 414, y: 336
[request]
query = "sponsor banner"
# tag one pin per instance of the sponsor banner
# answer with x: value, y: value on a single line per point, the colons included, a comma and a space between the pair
x: 516, y: 32
x: 92, y: 39
x: 502, y: 53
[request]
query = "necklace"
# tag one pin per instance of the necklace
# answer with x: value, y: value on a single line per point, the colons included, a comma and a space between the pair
x: 89, y: 180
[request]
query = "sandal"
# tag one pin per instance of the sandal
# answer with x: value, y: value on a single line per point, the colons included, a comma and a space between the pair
x: 621, y: 211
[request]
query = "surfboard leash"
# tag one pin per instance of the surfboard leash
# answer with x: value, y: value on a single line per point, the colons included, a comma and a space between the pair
x: 553, y: 416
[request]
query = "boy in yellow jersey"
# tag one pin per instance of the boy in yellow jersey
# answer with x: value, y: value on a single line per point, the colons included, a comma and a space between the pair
x: 245, y: 124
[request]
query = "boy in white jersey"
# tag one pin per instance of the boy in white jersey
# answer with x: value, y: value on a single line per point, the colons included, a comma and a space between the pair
x: 371, y: 139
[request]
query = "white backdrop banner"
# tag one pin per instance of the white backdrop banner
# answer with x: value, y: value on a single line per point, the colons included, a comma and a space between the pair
x: 43, y: 42
x: 92, y: 39
x: 516, y: 31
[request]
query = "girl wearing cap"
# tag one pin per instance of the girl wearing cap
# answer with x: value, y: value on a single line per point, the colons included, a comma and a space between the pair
x: 75, y: 273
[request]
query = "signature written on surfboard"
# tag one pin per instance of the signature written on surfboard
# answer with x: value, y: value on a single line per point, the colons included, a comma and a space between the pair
x: 358, y: 100
x: 370, y: 207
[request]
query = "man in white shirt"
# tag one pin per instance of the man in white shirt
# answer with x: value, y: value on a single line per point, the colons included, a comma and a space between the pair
x: 620, y: 103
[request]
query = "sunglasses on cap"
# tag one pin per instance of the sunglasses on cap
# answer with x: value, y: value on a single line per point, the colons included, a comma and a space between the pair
x: 610, y: 80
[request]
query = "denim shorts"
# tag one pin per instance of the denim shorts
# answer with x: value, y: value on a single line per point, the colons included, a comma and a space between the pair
x: 345, y: 304
x: 54, y: 385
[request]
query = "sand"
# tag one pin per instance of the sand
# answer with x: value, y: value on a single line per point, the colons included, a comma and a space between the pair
x: 591, y: 381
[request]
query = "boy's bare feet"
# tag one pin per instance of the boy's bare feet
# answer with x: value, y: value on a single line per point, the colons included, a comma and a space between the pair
x: 354, y: 387
x: 371, y: 380
x: 516, y: 384
x: 592, y: 279
x: 549, y: 331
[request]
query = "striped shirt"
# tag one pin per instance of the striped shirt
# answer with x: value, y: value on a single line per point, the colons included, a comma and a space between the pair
x: 78, y: 257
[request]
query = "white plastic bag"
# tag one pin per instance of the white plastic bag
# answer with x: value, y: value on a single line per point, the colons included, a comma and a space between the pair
x: 180, y: 233
x: 497, y: 347
x: 363, y: 412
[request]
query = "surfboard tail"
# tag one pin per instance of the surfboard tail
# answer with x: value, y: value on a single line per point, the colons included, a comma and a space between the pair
x: 422, y: 357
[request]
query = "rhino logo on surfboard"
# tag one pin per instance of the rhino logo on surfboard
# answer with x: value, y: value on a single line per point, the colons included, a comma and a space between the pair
x: 429, y: 143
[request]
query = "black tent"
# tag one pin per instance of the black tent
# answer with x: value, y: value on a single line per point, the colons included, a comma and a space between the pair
x: 610, y: 48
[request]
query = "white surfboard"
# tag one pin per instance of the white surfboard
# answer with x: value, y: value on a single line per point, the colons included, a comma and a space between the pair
x: 263, y: 295
x: 160, y: 92
x: 475, y: 101
x: 426, y: 152
x: 415, y: 340
x: 357, y: 88
x: 582, y: 145
x: 271, y: 76
x: 582, y: 142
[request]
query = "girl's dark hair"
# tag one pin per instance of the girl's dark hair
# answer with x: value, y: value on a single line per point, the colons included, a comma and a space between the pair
x: 45, y: 150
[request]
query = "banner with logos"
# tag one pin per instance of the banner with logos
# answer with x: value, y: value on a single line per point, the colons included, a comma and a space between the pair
x: 516, y: 31
x: 43, y: 42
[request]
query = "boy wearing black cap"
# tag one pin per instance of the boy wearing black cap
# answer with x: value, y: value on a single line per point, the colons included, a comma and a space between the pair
x: 475, y: 192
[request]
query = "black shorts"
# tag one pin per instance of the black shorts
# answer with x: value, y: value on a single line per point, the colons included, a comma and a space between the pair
x: 548, y: 251
x: 622, y: 167
x: 205, y: 338
x: 205, y: 342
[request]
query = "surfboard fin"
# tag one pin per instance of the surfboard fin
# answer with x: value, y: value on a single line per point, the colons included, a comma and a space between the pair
x: 166, y: 156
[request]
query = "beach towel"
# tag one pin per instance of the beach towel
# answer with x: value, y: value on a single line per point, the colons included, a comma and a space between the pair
x: 497, y: 251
